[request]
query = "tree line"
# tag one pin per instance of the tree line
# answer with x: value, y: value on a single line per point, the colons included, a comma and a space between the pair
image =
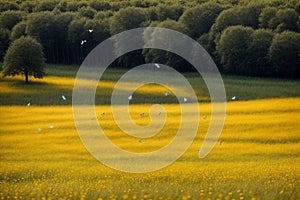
x: 244, y: 37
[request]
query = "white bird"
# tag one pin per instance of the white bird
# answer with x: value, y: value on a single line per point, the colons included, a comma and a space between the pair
x: 39, y: 129
x: 91, y: 30
x: 157, y: 65
x: 185, y: 99
x: 28, y: 104
x: 102, y: 114
x: 130, y: 97
x: 142, y: 114
x: 63, y: 97
x: 82, y: 42
x: 233, y: 98
x: 51, y: 126
x: 166, y: 93
x: 140, y: 140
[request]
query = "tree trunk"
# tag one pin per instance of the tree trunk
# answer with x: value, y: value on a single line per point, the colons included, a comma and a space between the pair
x: 26, y: 77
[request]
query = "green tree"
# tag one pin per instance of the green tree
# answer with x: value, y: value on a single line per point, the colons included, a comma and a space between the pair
x: 77, y: 33
x: 87, y: 12
x: 4, y: 41
x: 258, y: 53
x: 198, y: 20
x: 43, y: 26
x: 207, y: 41
x: 51, y: 29
x: 74, y: 6
x: 246, y: 16
x: 161, y: 56
x: 101, y: 15
x: 24, y: 56
x: 8, y: 5
x: 18, y: 30
x: 232, y: 48
x: 27, y: 6
x: 266, y: 16
x: 10, y: 18
x: 285, y: 54
x: 46, y: 5
x: 285, y: 19
x: 168, y: 12
x: 100, y: 5
x: 126, y: 19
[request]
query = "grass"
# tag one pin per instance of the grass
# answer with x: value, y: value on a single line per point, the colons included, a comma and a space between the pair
x: 60, y: 81
x: 257, y: 159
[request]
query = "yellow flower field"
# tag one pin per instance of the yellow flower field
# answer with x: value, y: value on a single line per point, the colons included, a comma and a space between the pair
x: 257, y: 156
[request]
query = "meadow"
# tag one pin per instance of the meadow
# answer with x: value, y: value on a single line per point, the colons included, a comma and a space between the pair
x: 257, y: 156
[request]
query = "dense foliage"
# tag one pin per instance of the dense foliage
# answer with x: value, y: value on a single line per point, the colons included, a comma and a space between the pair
x: 24, y: 56
x: 254, y: 38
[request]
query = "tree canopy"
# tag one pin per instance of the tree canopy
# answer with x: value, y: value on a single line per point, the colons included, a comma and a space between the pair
x: 24, y: 56
x: 69, y: 30
x: 285, y: 54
